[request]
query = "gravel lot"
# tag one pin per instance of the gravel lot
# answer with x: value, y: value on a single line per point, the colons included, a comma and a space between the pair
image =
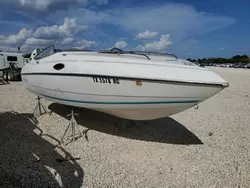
x: 208, y: 147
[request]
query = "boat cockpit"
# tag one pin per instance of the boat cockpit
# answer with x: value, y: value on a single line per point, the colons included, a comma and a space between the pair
x: 148, y: 55
x: 51, y: 50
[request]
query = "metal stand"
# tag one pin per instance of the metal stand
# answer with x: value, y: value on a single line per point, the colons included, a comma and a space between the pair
x: 39, y: 107
x: 3, y: 78
x: 72, y: 127
x: 122, y: 124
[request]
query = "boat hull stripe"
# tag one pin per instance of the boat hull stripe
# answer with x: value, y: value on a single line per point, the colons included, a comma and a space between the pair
x: 117, y: 103
x: 221, y: 85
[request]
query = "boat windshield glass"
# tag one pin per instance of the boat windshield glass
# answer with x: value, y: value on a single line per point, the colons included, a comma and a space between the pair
x: 46, y: 52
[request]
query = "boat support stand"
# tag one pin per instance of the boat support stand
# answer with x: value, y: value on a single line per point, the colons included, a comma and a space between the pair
x: 72, y: 128
x: 122, y: 124
x: 39, y: 107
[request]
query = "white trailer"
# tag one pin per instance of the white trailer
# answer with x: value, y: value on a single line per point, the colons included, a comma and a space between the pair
x: 11, y: 65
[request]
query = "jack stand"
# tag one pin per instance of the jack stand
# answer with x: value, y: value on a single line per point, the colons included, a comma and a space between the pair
x: 123, y: 123
x: 134, y: 122
x: 39, y: 107
x: 72, y: 126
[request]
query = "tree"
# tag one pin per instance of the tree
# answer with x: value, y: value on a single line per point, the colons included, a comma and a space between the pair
x: 234, y: 59
x: 244, y: 57
x: 239, y: 58
x: 191, y: 60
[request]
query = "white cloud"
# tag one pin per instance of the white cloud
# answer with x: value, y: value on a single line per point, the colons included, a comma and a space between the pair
x: 68, y: 29
x: 67, y: 41
x: 85, y: 44
x: 189, y: 53
x: 157, y: 45
x: 120, y: 44
x: 146, y: 35
x: 180, y: 20
x: 84, y: 15
x: 38, y: 42
x: 17, y: 39
x: 8, y: 49
x: 61, y: 35
x: 222, y: 49
x: 101, y: 2
x: 44, y: 6
x: 39, y: 5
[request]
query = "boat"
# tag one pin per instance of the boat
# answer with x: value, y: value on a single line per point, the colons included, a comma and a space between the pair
x: 127, y: 84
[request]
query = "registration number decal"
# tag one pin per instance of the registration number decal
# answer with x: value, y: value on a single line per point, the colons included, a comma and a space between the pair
x: 106, y: 80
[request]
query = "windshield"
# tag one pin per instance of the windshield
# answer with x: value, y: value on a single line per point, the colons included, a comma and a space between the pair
x: 46, y: 52
x: 156, y: 54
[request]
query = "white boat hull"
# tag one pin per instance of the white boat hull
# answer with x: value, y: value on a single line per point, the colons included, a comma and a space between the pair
x: 150, y: 100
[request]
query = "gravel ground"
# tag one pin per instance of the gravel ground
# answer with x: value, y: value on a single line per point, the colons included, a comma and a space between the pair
x: 208, y: 147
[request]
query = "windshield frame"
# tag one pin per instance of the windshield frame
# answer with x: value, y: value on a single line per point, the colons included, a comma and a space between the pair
x: 39, y: 54
x: 158, y: 54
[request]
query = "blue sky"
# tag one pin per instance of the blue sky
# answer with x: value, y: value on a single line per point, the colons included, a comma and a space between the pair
x: 187, y: 28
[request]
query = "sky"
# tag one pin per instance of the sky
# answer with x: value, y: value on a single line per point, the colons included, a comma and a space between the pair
x: 186, y: 28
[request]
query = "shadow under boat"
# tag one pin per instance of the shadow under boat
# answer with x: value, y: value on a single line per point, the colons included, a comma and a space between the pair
x: 165, y: 130
x: 26, y: 157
